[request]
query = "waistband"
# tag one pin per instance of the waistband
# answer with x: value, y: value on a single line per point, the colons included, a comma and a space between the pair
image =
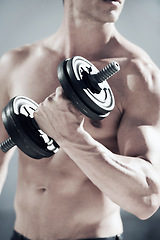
x: 117, y: 237
x: 18, y: 236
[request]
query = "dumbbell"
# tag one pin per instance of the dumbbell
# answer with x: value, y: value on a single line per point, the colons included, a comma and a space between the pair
x: 83, y: 84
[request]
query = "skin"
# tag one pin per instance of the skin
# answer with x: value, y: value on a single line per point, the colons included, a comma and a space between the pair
x: 101, y: 166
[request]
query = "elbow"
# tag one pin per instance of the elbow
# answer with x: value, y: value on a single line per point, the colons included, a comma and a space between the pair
x: 148, y: 206
x: 150, y: 202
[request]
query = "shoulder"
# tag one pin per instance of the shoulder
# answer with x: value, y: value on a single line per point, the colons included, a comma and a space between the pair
x: 15, y: 57
x: 138, y: 80
x: 138, y: 61
x: 26, y: 58
x: 11, y: 60
x: 28, y: 64
x: 138, y: 69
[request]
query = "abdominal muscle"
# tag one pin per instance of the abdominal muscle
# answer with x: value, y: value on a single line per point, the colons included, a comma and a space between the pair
x: 55, y: 200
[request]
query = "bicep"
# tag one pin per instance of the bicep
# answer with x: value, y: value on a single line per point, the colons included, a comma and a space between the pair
x: 135, y: 138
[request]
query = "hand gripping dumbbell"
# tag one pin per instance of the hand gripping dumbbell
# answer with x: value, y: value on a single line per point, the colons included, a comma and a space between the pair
x: 84, y: 85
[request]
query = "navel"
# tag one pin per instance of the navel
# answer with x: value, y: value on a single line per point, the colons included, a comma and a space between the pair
x: 42, y: 190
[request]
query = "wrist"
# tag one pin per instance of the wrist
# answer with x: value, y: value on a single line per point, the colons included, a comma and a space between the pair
x: 78, y: 136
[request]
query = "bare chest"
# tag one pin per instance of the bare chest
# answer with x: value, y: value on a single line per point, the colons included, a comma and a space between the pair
x: 33, y: 82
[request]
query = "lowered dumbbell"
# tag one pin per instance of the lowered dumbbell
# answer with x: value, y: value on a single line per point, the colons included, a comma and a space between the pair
x: 82, y: 83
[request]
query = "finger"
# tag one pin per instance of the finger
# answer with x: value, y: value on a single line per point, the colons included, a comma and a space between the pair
x: 60, y: 93
x: 55, y: 95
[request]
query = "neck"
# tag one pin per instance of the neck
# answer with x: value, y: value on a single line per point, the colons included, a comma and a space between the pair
x: 86, y: 37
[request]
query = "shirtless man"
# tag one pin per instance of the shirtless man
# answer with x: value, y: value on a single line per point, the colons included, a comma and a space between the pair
x: 101, y: 166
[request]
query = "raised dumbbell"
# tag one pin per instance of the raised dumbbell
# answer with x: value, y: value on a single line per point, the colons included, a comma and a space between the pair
x: 87, y: 87
x: 82, y: 83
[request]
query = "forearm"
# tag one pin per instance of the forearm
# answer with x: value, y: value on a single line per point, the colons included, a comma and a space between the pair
x: 125, y: 180
x: 130, y: 182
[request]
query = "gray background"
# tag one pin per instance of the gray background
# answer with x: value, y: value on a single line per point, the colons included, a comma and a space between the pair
x: 26, y: 21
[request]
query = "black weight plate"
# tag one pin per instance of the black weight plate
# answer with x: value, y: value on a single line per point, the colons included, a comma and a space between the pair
x: 101, y: 103
x: 72, y: 95
x: 23, y: 129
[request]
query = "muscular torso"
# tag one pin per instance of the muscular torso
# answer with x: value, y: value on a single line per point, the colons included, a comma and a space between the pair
x: 54, y: 199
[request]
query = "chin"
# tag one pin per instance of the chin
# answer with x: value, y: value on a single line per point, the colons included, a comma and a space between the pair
x: 112, y: 14
x: 111, y: 18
